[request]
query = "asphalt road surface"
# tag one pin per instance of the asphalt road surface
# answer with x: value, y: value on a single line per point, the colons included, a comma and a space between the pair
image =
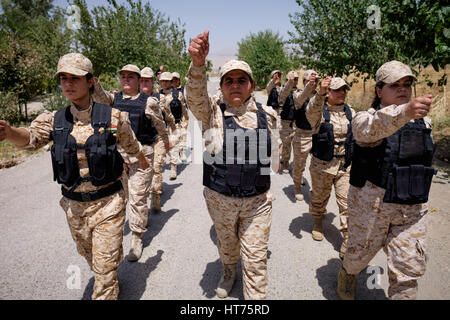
x: 180, y: 259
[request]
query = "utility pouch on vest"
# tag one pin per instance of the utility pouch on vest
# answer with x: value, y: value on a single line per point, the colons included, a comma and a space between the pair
x: 249, y: 176
x: 234, y: 176
x: 411, y: 144
x: 409, y: 184
x: 323, y: 142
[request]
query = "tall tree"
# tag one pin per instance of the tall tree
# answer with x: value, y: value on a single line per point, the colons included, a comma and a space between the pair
x: 264, y: 52
x: 134, y: 33
x: 337, y: 37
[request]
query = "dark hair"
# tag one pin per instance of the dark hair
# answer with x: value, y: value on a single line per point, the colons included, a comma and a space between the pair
x: 89, y: 76
x: 377, y: 101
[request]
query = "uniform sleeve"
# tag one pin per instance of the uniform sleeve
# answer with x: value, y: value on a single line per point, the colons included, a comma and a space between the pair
x: 301, y: 96
x: 314, y: 111
x: 153, y: 112
x: 168, y: 116
x: 372, y: 126
x: 269, y: 86
x: 197, y: 93
x: 271, y: 117
x: 285, y: 91
x: 102, y: 96
x: 185, y: 115
x: 40, y: 130
x: 125, y: 135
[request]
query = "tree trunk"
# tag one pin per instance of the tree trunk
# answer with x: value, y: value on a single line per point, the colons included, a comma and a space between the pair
x: 26, y: 111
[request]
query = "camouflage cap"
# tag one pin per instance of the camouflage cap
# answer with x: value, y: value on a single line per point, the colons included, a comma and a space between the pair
x: 166, y: 76
x: 307, y: 74
x: 131, y: 68
x: 147, y: 73
x: 275, y: 71
x: 294, y: 72
x: 176, y: 75
x: 74, y: 63
x: 236, y: 65
x: 393, y: 71
x: 337, y: 83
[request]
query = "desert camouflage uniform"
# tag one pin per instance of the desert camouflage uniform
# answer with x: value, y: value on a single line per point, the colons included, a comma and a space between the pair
x: 269, y: 88
x: 137, y: 181
x: 287, y: 131
x: 176, y: 136
x: 325, y: 174
x: 399, y: 229
x: 302, y: 139
x: 242, y: 224
x: 96, y: 226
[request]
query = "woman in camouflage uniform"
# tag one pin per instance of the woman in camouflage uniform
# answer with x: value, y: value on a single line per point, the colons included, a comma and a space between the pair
x: 390, y: 182
x: 95, y: 211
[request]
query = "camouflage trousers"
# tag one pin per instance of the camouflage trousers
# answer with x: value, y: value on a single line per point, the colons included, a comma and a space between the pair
x: 302, y: 144
x: 321, y: 185
x: 397, y: 228
x: 137, y: 189
x: 286, y: 136
x: 159, y: 160
x: 178, y: 139
x: 97, y: 229
x: 243, y: 226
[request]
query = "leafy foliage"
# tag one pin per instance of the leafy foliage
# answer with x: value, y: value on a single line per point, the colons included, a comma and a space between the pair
x: 135, y: 33
x: 334, y: 37
x: 264, y: 52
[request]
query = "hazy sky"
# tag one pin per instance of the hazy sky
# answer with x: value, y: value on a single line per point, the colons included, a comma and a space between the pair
x: 229, y: 21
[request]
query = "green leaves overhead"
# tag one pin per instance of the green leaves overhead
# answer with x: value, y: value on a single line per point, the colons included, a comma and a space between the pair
x: 264, y: 52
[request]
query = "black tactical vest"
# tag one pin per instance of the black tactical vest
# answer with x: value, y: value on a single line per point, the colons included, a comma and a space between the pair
x: 246, y: 171
x: 323, y: 142
x: 272, y: 100
x: 401, y: 164
x: 288, y: 112
x: 300, y: 117
x: 175, y: 106
x: 104, y: 161
x: 142, y: 126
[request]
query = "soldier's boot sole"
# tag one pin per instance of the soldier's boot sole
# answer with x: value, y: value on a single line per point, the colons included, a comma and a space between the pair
x: 135, y: 248
x: 346, y: 285
x: 317, y: 232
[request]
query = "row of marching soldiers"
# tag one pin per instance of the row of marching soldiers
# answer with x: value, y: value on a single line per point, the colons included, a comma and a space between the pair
x: 382, y: 196
x: 379, y: 165
x: 109, y: 149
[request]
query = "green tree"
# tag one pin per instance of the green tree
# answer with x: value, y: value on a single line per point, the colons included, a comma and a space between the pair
x: 134, y: 33
x: 264, y: 52
x: 334, y: 36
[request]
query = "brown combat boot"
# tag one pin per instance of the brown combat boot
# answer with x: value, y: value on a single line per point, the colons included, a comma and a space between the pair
x: 156, y: 202
x: 346, y: 285
x: 173, y: 171
x: 317, y: 232
x: 227, y: 280
x: 343, y: 245
x: 286, y: 167
x: 135, y: 247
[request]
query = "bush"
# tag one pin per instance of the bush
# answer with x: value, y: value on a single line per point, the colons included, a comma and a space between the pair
x: 55, y: 101
x: 9, y: 108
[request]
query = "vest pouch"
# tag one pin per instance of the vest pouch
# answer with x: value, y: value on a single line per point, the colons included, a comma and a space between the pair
x: 323, y: 143
x: 68, y: 172
x: 402, y: 182
x: 233, y: 177
x: 249, y: 173
x: 411, y: 144
x: 98, y: 163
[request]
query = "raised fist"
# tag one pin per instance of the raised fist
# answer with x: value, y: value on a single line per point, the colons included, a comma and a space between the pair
x: 199, y: 49
x: 419, y: 107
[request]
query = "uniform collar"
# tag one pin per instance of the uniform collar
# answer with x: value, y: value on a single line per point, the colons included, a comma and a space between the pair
x: 80, y: 115
x: 336, y: 107
x: 249, y: 105
x: 125, y: 96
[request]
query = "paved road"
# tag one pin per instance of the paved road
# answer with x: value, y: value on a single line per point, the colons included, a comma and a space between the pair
x: 180, y: 260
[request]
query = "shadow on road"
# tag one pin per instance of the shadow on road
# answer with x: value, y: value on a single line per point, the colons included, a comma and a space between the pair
x: 132, y: 278
x: 305, y: 223
x: 289, y: 191
x: 327, y: 279
x: 168, y: 191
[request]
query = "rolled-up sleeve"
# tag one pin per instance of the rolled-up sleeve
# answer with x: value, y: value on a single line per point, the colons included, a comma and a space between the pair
x: 153, y: 112
x: 372, y: 126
